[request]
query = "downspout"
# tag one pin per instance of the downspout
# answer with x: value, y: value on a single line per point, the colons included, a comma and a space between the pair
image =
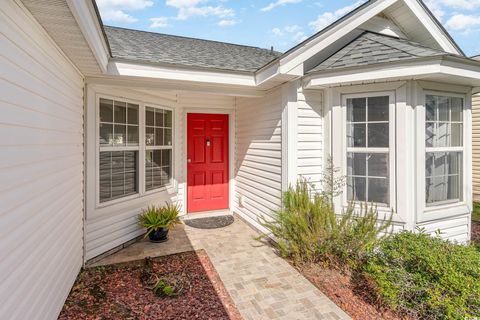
x: 84, y: 217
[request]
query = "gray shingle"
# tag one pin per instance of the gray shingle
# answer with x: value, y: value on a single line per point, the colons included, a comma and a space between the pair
x: 371, y: 48
x: 151, y: 47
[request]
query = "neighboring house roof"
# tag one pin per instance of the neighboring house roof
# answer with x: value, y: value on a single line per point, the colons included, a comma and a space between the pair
x: 142, y: 46
x: 371, y: 48
x: 476, y: 57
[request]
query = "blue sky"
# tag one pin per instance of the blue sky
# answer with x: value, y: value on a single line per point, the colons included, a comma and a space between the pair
x: 265, y: 23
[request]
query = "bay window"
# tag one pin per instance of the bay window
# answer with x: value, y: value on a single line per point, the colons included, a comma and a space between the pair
x: 121, y: 149
x: 444, y: 149
x: 369, y: 140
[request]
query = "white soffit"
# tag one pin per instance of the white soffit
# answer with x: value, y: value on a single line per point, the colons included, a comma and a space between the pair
x: 57, y: 19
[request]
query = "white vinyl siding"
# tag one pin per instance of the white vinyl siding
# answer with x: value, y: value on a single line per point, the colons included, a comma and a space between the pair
x: 476, y: 146
x: 310, y: 137
x: 41, y: 169
x: 110, y: 225
x: 258, y: 167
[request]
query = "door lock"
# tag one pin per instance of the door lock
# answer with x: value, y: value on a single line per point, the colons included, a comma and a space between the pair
x: 208, y: 143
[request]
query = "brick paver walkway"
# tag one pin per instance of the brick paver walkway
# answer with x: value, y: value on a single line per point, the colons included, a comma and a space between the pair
x: 262, y: 285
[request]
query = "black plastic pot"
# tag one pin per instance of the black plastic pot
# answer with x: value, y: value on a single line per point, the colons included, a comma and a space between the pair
x: 161, y: 235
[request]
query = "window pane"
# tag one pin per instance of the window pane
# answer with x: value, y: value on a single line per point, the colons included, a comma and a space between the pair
x: 158, y: 118
x: 150, y: 117
x: 168, y: 119
x: 106, y: 134
x: 356, y: 189
x: 158, y: 169
x: 132, y: 135
x: 443, y: 106
x: 149, y: 136
x: 430, y: 108
x: 357, y: 164
x: 356, y: 136
x: 120, y: 112
x: 158, y: 136
x: 443, y: 173
x: 377, y: 165
x: 168, y: 137
x: 356, y: 110
x: 456, y: 135
x: 457, y: 112
x: 132, y: 113
x: 106, y: 110
x: 118, y: 174
x: 378, y: 190
x: 429, y: 134
x: 378, y: 108
x: 378, y: 135
x: 166, y: 158
x: 120, y: 135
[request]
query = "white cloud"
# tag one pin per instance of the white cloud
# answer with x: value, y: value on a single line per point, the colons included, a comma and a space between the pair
x: 184, y: 3
x: 328, y: 18
x: 115, y: 10
x: 278, y: 3
x: 461, y: 22
x: 300, y: 36
x: 160, y: 22
x: 187, y: 12
x: 461, y: 4
x: 277, y: 32
x: 436, y: 8
x: 227, y: 23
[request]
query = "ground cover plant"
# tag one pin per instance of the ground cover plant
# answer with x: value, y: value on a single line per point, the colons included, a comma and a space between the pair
x: 426, y: 277
x: 181, y: 286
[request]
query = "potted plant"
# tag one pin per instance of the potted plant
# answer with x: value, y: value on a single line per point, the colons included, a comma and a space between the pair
x: 158, y: 220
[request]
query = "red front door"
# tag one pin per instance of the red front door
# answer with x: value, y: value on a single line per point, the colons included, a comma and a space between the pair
x: 207, y: 162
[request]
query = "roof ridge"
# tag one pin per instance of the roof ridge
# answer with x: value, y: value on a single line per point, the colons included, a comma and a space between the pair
x: 191, y: 38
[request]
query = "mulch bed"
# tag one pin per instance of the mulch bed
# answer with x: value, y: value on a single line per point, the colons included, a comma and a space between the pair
x: 476, y: 231
x: 347, y: 292
x: 121, y: 291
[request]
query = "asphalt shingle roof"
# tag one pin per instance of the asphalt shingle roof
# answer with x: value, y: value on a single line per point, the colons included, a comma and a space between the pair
x: 371, y: 48
x: 152, y: 47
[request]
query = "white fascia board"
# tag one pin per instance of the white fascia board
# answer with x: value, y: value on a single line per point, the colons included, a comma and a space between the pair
x: 421, y: 69
x: 180, y: 74
x: 476, y: 90
x: 300, y: 55
x: 371, y: 74
x: 87, y: 20
x: 428, y: 22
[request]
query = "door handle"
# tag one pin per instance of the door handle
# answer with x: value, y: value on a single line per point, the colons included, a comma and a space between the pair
x: 189, y: 160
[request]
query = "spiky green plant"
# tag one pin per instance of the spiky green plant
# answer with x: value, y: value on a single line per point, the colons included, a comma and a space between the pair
x: 307, y: 228
x: 155, y: 218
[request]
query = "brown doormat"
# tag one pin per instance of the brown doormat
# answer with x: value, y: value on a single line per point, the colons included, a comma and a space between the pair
x: 210, y: 222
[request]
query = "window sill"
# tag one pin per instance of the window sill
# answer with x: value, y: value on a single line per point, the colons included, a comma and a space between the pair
x: 442, y: 211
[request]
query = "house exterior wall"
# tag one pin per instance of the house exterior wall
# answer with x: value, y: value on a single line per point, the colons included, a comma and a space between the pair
x: 110, y: 225
x: 476, y: 146
x: 310, y: 152
x: 258, y: 152
x: 41, y: 169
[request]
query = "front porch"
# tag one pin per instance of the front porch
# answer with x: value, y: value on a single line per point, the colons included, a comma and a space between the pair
x: 261, y: 284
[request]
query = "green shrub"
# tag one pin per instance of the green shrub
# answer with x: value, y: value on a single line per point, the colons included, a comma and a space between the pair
x: 426, y: 277
x: 155, y: 218
x: 308, y: 230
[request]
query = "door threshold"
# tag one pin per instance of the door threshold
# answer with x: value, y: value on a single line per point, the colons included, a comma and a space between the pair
x: 207, y: 214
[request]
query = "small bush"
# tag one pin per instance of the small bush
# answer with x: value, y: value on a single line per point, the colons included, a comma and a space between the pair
x: 307, y: 229
x: 427, y: 277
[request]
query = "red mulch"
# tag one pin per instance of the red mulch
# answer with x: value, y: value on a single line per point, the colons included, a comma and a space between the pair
x: 476, y: 231
x: 347, y: 293
x: 117, y: 292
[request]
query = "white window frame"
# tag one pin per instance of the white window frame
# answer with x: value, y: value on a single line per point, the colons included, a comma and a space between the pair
x: 390, y: 150
x: 141, y: 148
x: 153, y: 148
x: 447, y: 208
